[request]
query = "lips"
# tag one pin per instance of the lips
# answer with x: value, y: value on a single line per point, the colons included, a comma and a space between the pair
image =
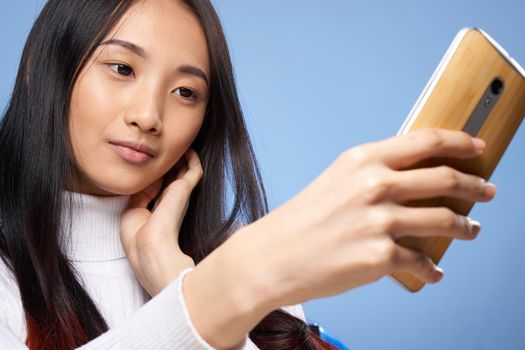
x: 136, y: 146
x: 133, y: 152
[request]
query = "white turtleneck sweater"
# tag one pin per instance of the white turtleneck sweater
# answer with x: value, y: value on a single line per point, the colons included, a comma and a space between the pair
x: 135, y: 320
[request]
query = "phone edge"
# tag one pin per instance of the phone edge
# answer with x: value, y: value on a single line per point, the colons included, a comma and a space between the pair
x: 434, y: 78
x: 429, y: 87
x: 503, y: 52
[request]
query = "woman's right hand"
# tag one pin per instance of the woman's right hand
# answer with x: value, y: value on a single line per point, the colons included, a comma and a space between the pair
x: 340, y: 232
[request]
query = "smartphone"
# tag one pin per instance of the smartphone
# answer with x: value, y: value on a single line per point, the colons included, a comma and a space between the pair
x: 478, y: 88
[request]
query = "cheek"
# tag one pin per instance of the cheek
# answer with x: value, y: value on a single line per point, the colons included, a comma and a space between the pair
x: 92, y: 104
x: 179, y: 136
x: 91, y: 110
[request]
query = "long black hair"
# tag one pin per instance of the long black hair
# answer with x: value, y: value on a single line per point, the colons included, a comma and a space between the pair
x: 37, y: 164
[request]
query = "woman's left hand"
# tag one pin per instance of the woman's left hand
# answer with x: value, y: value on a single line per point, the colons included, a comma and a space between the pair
x: 150, y: 238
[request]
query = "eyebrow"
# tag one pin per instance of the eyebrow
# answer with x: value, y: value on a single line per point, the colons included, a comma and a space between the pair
x: 187, y: 69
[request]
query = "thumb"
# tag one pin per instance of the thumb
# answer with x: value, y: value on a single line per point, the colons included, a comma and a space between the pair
x: 136, y: 213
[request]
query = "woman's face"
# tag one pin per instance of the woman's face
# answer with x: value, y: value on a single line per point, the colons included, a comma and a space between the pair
x: 145, y: 85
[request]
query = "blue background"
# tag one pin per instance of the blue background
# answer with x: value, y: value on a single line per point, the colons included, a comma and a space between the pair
x: 318, y: 77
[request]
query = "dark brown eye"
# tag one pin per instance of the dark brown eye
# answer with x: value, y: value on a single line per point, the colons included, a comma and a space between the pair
x: 186, y: 93
x: 121, y: 69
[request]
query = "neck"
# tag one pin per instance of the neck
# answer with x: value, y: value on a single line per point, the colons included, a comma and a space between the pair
x: 90, y: 227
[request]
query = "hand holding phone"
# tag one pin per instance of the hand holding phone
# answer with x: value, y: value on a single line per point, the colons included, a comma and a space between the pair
x: 479, y: 89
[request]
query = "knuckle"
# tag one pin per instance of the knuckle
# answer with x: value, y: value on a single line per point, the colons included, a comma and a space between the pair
x: 466, y: 139
x: 383, y: 219
x: 450, y: 178
x: 356, y: 156
x: 200, y: 172
x: 386, y: 253
x: 413, y: 135
x: 449, y: 219
x: 378, y: 186
x: 378, y: 183
x: 432, y: 137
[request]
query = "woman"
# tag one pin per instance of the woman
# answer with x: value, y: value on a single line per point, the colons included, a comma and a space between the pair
x: 122, y: 132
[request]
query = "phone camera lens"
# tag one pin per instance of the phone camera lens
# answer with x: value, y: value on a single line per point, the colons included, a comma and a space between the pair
x: 496, y: 86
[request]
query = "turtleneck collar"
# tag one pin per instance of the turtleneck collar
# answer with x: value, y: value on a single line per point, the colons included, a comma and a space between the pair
x: 95, y: 227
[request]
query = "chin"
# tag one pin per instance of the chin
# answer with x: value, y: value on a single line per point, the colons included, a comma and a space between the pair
x: 118, y: 188
x: 107, y: 182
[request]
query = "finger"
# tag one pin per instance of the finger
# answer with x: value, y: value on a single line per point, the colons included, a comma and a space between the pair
x: 437, y: 182
x: 162, y: 194
x: 402, y: 151
x: 172, y: 205
x: 169, y: 177
x: 136, y: 214
x: 431, y: 222
x: 416, y: 263
x: 179, y: 171
x: 194, y: 172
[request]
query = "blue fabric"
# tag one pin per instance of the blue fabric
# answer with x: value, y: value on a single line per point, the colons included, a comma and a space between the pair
x: 327, y: 337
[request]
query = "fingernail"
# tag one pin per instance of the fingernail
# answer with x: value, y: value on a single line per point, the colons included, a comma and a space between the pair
x: 475, y: 226
x: 479, y: 144
x: 490, y: 188
x: 439, y: 273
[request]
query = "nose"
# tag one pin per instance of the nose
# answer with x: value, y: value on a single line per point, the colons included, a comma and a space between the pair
x: 145, y: 111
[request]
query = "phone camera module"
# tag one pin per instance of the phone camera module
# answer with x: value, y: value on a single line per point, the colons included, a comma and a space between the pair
x: 496, y: 86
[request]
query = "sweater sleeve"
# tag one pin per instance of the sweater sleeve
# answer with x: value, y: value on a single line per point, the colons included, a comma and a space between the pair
x: 8, y: 340
x: 297, y: 311
x: 162, y: 323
